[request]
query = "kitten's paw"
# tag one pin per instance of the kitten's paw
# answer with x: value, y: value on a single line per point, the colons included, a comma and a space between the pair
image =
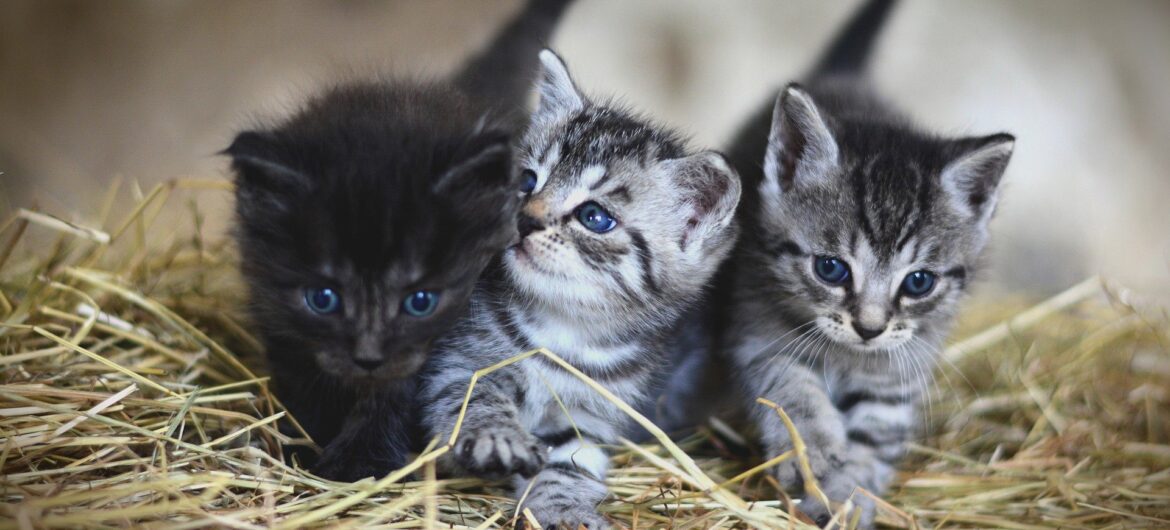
x: 498, y: 451
x: 560, y: 499
x: 568, y: 520
x: 346, y: 461
x: 788, y: 475
x: 822, y: 463
x: 345, y: 468
x: 819, y: 513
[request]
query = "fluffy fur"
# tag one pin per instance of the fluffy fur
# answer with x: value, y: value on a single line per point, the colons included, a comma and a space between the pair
x: 831, y: 172
x: 377, y: 190
x: 602, y: 301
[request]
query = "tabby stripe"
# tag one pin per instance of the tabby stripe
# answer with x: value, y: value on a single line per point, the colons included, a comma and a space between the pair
x: 863, y: 438
x: 620, y: 193
x: 646, y: 260
x: 601, y: 181
x: 562, y: 437
x: 922, y: 204
x: 786, y: 247
x: 852, y: 399
x: 504, y: 320
x: 628, y: 292
x: 862, y: 214
x: 569, y: 468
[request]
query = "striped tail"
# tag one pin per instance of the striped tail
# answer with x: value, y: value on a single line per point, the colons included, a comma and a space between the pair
x: 849, y: 51
x: 502, y: 74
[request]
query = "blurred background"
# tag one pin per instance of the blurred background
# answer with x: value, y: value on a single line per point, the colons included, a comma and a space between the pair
x: 148, y: 91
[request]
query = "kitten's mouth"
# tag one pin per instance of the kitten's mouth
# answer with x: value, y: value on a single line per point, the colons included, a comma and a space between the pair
x: 520, y: 254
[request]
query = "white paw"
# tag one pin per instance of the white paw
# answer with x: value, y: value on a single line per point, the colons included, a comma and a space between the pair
x: 568, y: 515
x: 498, y: 451
x: 560, y: 499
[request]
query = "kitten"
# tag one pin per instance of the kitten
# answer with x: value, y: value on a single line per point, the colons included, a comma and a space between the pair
x: 363, y: 223
x: 861, y: 234
x: 620, y: 229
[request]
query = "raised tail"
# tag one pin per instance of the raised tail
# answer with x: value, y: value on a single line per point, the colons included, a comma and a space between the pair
x: 503, y: 72
x: 849, y: 51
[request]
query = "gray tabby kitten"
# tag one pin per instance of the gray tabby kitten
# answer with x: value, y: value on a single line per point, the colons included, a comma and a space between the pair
x: 620, y: 230
x: 861, y: 233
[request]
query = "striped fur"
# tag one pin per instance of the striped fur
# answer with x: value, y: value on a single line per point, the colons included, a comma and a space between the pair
x: 601, y: 301
x: 881, y: 204
x: 831, y: 172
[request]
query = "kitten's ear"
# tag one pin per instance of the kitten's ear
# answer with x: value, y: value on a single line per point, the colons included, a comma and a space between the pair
x: 972, y: 178
x: 711, y: 190
x: 558, y: 95
x: 801, y: 149
x: 485, y: 163
x: 261, y: 177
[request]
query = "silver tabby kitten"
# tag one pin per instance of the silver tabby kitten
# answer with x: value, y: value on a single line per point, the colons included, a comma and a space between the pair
x: 860, y: 235
x: 620, y: 230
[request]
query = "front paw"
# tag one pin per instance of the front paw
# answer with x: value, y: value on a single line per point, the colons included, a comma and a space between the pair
x: 822, y: 514
x: 570, y: 519
x: 565, y: 505
x: 347, y: 468
x: 790, y: 473
x: 499, y: 451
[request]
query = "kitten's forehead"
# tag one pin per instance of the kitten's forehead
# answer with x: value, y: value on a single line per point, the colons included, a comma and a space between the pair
x: 587, y: 147
x: 885, y: 210
x: 893, y: 200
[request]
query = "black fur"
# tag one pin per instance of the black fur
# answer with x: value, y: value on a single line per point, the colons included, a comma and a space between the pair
x: 376, y: 190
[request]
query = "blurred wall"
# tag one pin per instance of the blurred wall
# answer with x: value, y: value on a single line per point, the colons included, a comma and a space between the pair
x: 151, y: 90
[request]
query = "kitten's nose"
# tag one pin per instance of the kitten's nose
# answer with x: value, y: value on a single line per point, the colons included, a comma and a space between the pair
x: 368, y: 364
x: 867, y: 333
x: 527, y: 225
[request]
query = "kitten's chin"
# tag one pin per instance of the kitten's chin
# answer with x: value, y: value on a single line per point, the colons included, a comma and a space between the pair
x: 522, y: 265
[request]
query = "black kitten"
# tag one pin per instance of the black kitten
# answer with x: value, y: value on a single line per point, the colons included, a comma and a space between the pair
x: 364, y: 221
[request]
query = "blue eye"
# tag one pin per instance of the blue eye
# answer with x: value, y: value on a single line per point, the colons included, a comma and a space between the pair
x: 831, y: 270
x: 323, y: 301
x: 527, y: 181
x: 918, y: 283
x: 595, y: 218
x: 420, y: 303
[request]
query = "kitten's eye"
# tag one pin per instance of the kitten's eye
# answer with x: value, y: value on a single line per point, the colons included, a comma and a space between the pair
x: 595, y: 218
x: 918, y: 284
x: 527, y: 181
x: 323, y: 301
x: 420, y: 303
x: 831, y: 270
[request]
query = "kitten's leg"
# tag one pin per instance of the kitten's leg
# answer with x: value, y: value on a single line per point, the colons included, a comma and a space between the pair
x: 800, y: 393
x: 849, y: 448
x: 374, y: 439
x: 565, y: 494
x: 879, y: 421
x: 492, y: 442
x: 318, y: 403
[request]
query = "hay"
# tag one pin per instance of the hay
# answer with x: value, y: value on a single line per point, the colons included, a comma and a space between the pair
x: 130, y: 397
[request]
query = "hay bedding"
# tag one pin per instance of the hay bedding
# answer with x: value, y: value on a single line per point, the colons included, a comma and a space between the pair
x: 129, y: 396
